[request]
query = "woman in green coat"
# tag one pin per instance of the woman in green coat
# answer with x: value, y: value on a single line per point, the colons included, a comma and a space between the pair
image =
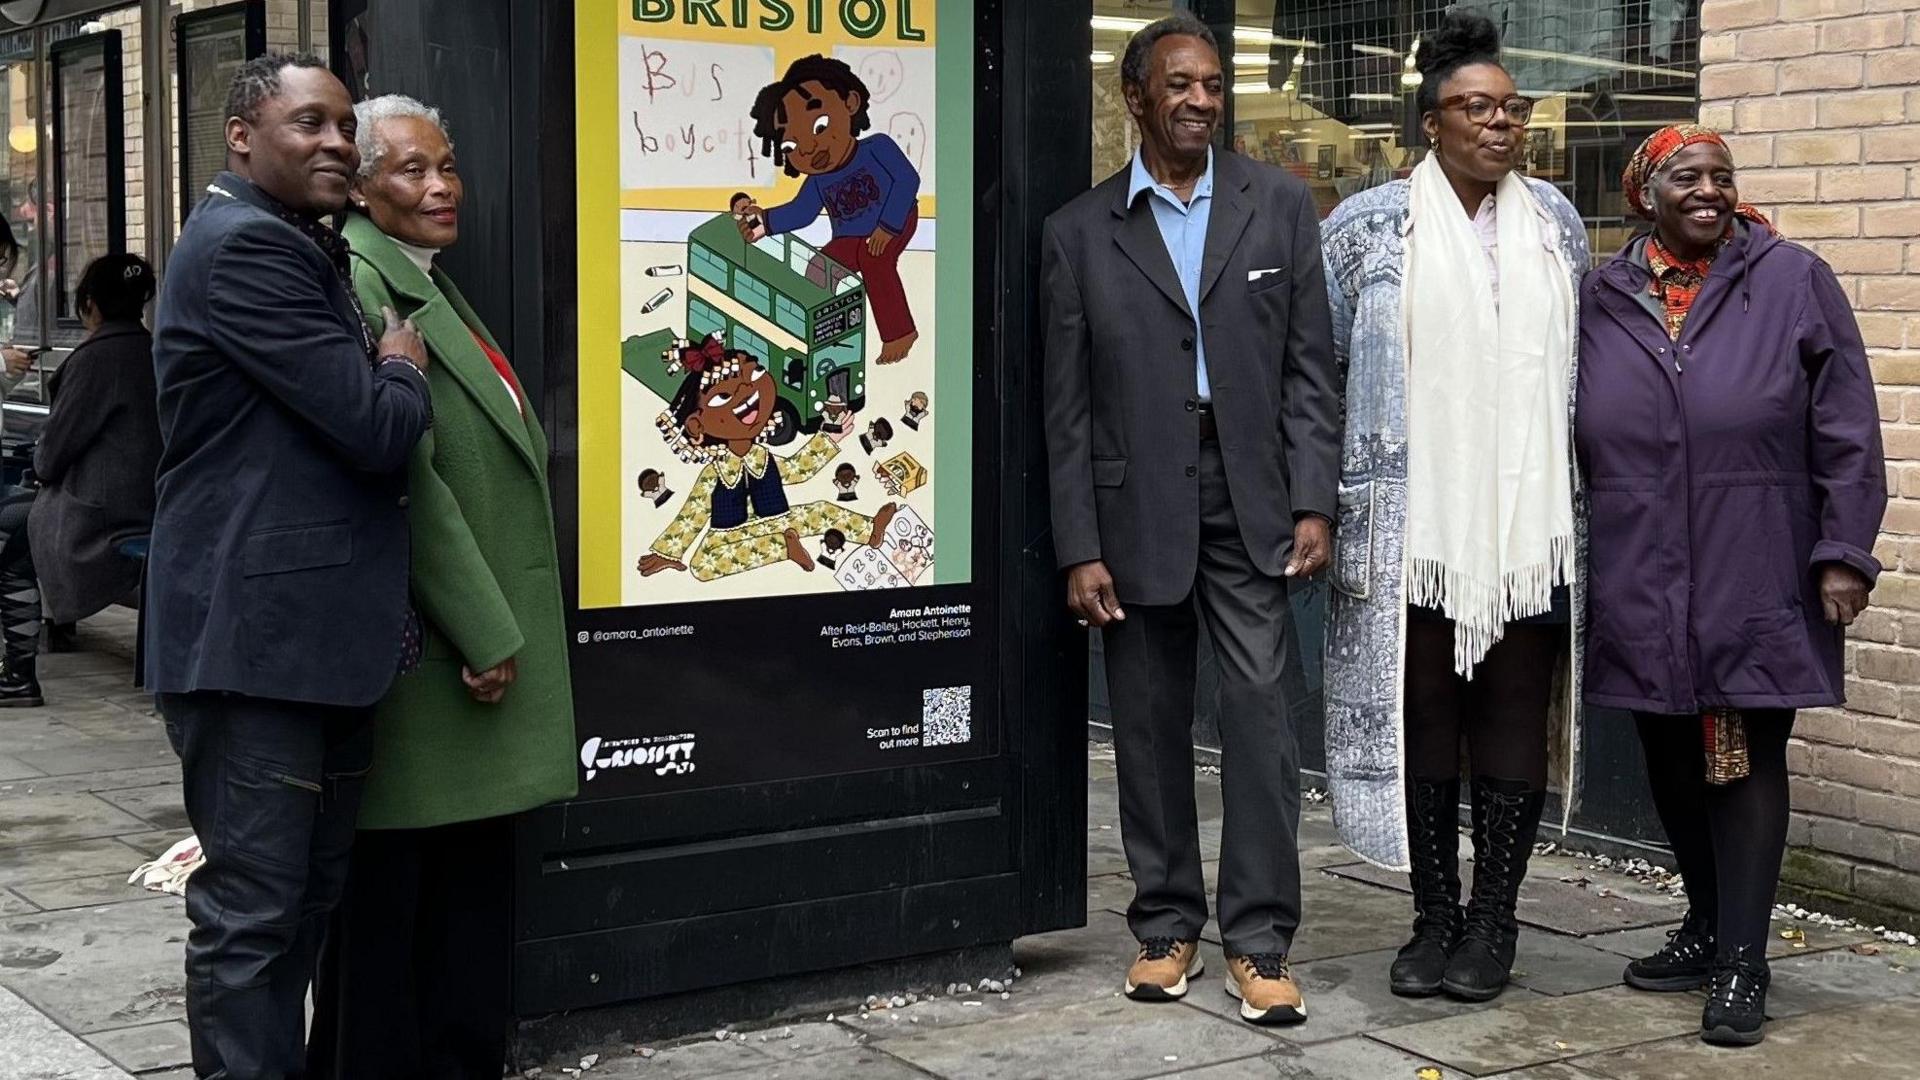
x: 415, y: 976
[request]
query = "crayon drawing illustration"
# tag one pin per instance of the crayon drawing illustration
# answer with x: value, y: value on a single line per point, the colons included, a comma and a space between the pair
x: 784, y: 395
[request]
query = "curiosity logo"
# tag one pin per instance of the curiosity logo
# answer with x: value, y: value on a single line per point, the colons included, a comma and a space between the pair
x: 663, y: 753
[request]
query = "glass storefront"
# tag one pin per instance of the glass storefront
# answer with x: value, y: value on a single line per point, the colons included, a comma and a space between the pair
x: 112, y: 130
x: 1325, y: 88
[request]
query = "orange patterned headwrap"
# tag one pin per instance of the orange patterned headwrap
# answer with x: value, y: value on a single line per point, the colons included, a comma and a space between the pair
x: 1657, y: 151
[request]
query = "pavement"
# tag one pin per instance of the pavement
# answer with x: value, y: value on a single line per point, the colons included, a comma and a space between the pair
x: 90, y: 968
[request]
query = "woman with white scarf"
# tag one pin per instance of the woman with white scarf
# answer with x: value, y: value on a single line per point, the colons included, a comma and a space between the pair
x: 1456, y: 550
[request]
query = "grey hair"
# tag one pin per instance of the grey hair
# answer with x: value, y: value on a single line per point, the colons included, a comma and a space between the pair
x: 369, y: 114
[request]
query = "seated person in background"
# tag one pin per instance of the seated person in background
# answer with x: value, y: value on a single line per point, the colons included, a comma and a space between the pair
x: 98, y: 453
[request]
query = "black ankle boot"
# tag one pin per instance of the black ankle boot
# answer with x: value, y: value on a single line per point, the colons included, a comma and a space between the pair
x: 19, y: 688
x: 1683, y: 963
x: 1506, y: 814
x: 1736, y: 1012
x: 1433, y: 839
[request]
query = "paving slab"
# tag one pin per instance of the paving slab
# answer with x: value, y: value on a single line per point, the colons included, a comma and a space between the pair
x: 86, y: 892
x: 11, y: 905
x: 46, y: 819
x: 1813, y: 938
x: 1342, y: 1059
x: 1558, y: 1070
x: 1112, y: 1040
x: 147, y: 1048
x: 686, y: 1061
x: 1553, y: 964
x: 64, y: 860
x: 1826, y: 980
x: 1109, y: 892
x: 1551, y: 1029
x: 1345, y: 996
x: 100, y: 755
x: 1068, y: 967
x: 94, y: 782
x: 1868, y: 1042
x: 862, y: 1063
x: 1341, y: 917
x: 161, y: 806
x: 32, y: 1046
x: 35, y: 731
x: 1551, y: 904
x: 12, y: 768
x: 96, y: 969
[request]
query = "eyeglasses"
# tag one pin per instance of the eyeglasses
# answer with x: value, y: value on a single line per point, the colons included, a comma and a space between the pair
x: 1480, y: 109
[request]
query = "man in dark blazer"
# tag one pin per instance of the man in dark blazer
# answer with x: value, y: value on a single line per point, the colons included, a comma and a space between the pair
x: 1192, y: 432
x: 278, y: 608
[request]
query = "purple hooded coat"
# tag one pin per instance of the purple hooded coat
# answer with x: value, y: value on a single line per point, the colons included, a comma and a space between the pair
x: 1723, y: 470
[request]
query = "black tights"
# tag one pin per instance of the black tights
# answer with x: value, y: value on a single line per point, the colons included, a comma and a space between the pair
x: 1728, y: 838
x: 1502, y: 710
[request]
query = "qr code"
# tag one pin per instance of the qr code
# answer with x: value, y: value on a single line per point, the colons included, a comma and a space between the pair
x: 946, y: 717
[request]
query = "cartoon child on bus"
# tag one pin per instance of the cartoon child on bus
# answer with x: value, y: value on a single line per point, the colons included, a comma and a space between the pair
x: 737, y: 518
x: 810, y: 123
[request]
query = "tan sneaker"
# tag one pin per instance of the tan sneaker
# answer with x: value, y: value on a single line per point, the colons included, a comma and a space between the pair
x: 1266, y: 990
x: 1162, y: 971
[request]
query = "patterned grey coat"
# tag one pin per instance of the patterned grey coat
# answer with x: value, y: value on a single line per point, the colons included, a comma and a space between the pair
x: 1364, y: 247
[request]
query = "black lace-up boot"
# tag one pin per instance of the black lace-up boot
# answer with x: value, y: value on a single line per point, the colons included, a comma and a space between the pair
x: 1506, y: 814
x: 1736, y: 1011
x: 1682, y: 963
x: 1433, y: 837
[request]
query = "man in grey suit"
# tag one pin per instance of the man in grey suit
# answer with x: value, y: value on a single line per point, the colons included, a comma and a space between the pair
x: 1192, y: 432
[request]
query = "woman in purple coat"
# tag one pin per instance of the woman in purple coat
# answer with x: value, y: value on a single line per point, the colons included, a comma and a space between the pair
x: 1730, y: 442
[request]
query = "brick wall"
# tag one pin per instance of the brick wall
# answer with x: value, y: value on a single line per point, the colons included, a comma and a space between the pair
x: 1821, y: 99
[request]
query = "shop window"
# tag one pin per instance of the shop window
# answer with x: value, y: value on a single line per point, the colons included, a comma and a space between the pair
x: 89, y: 204
x: 1326, y: 88
x: 210, y: 45
x: 20, y: 100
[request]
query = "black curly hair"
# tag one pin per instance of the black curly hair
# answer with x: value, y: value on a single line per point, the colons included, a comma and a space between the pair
x: 258, y: 81
x: 1466, y: 37
x: 770, y: 107
x: 686, y: 401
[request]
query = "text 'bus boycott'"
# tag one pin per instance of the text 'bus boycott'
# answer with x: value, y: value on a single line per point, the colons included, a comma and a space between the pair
x: 860, y: 18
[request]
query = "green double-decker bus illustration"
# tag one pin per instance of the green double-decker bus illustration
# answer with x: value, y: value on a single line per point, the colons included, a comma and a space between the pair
x: 780, y: 299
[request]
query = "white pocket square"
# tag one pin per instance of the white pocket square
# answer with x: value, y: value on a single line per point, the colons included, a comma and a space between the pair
x: 1256, y: 275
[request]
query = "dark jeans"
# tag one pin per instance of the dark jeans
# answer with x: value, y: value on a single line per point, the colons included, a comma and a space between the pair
x: 413, y: 982
x: 1150, y: 679
x: 272, y: 789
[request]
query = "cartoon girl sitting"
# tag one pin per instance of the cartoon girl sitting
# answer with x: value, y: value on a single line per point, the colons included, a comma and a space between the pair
x: 721, y: 418
x: 810, y: 123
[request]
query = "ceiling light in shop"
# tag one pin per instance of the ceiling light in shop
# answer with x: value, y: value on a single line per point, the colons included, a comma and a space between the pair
x: 1374, y: 97
x: 1099, y: 57
x: 23, y: 139
x: 1252, y: 88
x: 1373, y: 50
x: 1117, y: 23
x: 1257, y: 36
x: 1371, y: 135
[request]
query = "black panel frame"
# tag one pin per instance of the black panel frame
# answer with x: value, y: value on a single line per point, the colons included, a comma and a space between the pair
x: 108, y: 42
x: 183, y: 24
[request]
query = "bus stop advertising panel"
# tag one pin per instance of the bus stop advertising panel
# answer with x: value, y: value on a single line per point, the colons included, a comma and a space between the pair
x: 777, y: 503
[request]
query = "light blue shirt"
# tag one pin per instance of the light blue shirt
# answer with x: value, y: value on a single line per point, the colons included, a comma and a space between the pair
x: 1183, y: 227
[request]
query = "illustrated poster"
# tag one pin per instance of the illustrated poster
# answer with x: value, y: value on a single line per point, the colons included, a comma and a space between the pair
x: 775, y: 441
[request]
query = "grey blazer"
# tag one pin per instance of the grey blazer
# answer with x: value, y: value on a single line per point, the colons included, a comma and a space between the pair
x: 1123, y: 435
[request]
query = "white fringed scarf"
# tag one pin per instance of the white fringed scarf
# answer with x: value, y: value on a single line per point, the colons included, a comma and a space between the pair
x: 1489, y: 488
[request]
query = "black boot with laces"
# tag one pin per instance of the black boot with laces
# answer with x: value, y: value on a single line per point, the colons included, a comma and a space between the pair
x: 1736, y: 1011
x: 1506, y: 814
x: 1433, y: 837
x: 1683, y: 963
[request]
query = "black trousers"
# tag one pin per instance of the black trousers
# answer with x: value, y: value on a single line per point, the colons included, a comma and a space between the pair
x: 19, y: 587
x: 413, y: 983
x: 1727, y: 838
x: 1150, y: 659
x: 1500, y: 714
x: 272, y: 789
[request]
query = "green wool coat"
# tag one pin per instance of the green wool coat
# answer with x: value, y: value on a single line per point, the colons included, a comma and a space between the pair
x: 486, y: 579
